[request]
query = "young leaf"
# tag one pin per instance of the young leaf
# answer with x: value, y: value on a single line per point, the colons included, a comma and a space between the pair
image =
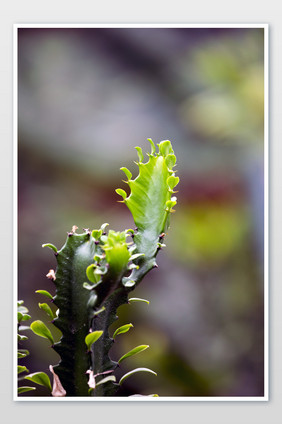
x: 153, y: 147
x: 46, y: 308
x: 125, y: 376
x: 39, y: 328
x: 40, y: 378
x: 121, y: 192
x: 122, y: 329
x: 172, y: 181
x: 92, y: 338
x: 45, y: 293
x: 24, y: 389
x: 140, y: 153
x: 132, y: 352
x: 22, y: 369
x: 96, y: 234
x: 92, y: 275
x: 23, y: 317
x: 99, y: 311
x: 22, y: 309
x: 127, y: 172
x: 137, y: 299
x: 21, y: 338
x: 22, y: 353
x: 170, y: 161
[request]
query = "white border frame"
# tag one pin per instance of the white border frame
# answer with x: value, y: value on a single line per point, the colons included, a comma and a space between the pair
x: 266, y: 217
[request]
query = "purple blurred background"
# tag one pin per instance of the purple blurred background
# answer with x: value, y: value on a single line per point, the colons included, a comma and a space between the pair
x: 86, y: 98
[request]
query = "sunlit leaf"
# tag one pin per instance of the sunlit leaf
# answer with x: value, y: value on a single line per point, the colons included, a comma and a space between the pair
x: 122, y: 329
x: 127, y: 172
x: 137, y: 299
x: 140, y: 153
x: 92, y: 338
x: 92, y: 275
x: 96, y: 234
x: 153, y: 147
x: 46, y: 308
x: 132, y: 352
x: 22, y: 309
x: 172, y: 181
x: 23, y: 317
x: 121, y: 192
x: 45, y: 293
x: 21, y: 369
x: 40, y: 378
x: 136, y: 370
x: 39, y: 328
x: 22, y: 353
x: 21, y: 338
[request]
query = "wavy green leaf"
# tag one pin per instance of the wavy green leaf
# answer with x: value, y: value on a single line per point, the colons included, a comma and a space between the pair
x: 132, y: 352
x: 147, y: 201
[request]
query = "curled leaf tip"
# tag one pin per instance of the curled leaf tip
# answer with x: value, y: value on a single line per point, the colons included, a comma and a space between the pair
x: 121, y: 192
x: 153, y: 147
x: 51, y: 246
x: 127, y: 172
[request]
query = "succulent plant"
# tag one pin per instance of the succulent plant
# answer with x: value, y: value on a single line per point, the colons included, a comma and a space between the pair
x: 97, y: 270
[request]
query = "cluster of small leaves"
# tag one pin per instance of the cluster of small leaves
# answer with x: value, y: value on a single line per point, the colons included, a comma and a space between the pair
x: 40, y: 378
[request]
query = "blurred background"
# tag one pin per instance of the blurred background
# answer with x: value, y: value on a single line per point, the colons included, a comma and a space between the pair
x: 86, y: 98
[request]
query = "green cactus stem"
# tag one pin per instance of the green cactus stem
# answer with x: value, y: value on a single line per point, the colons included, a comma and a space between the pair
x: 97, y: 270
